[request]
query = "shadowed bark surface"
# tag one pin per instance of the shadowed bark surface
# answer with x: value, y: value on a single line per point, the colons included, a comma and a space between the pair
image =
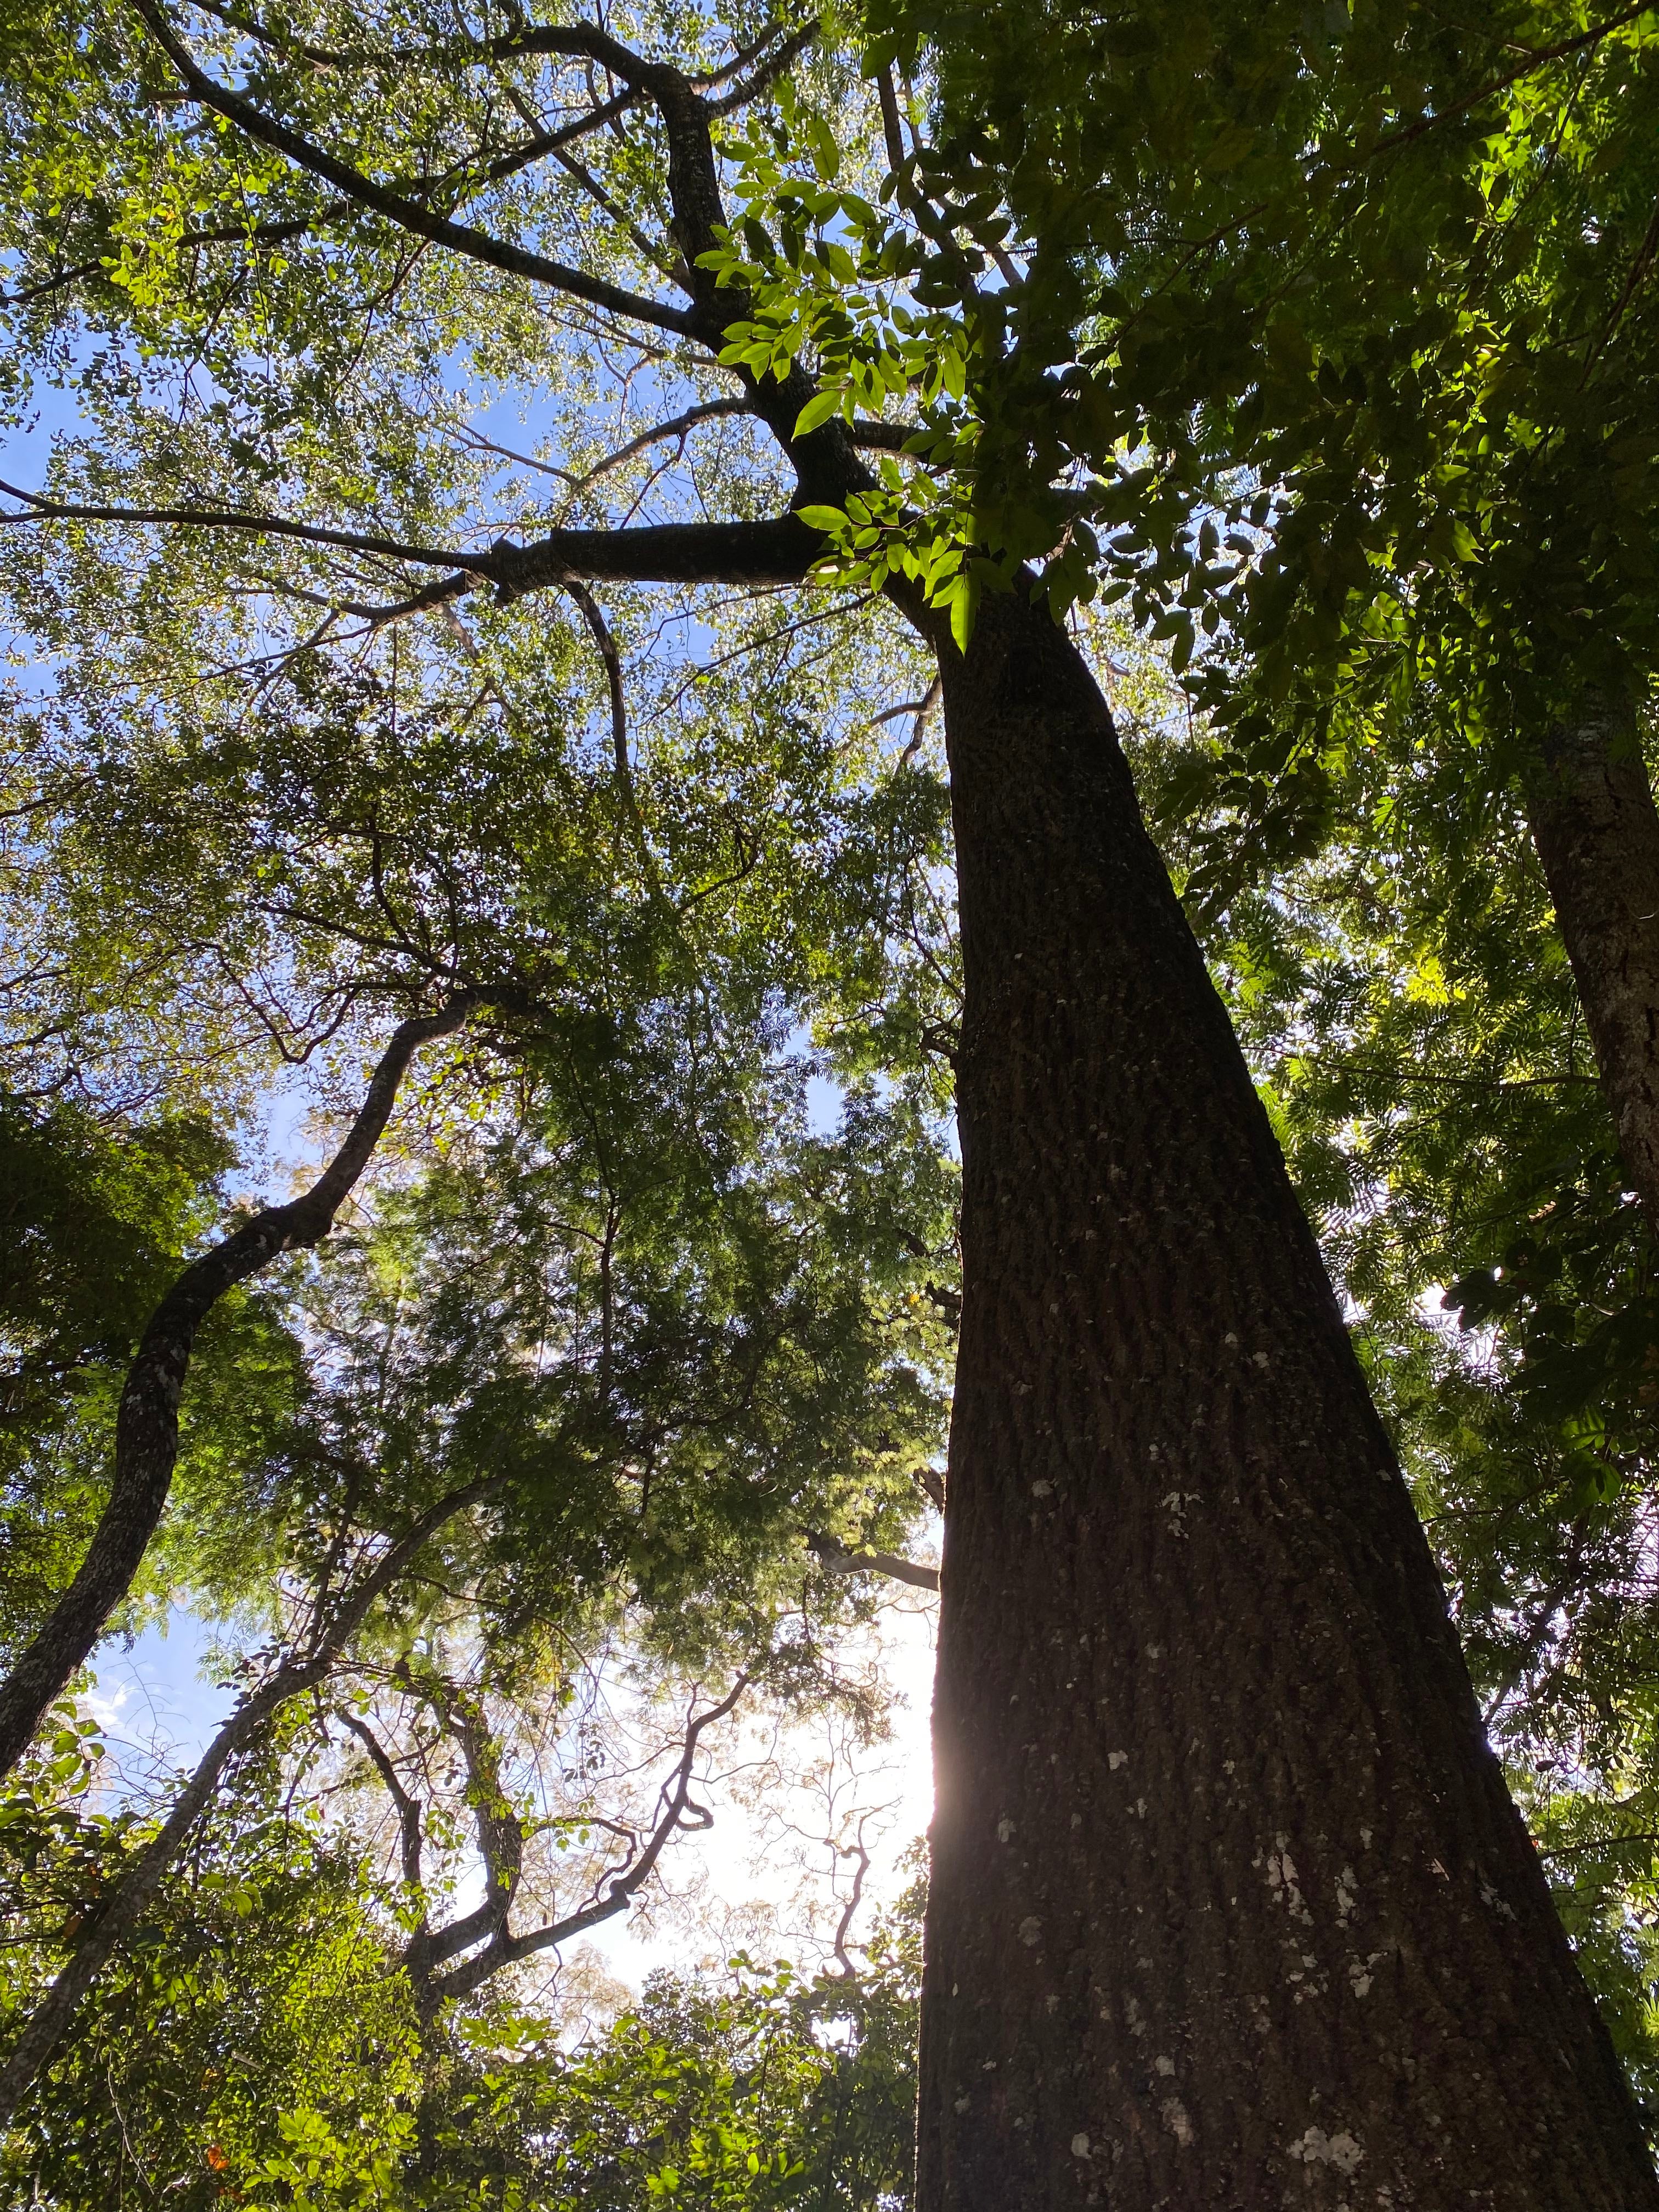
x: 1593, y: 819
x: 1229, y: 1906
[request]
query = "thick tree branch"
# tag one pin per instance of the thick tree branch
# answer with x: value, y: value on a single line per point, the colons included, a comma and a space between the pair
x: 896, y: 156
x: 147, y: 1424
x: 499, y: 1839
x: 781, y: 550
x: 408, y: 214
x: 599, y: 631
x: 511, y: 46
x: 948, y: 1302
x: 248, y: 27
x: 930, y: 1480
x: 825, y: 460
x: 849, y: 1911
x: 835, y: 1559
x: 880, y: 437
x: 378, y: 617
x: 125, y: 1908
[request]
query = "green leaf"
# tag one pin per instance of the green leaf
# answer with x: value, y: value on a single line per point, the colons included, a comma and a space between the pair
x: 826, y: 154
x: 964, y: 606
x: 817, y: 411
x: 1229, y: 147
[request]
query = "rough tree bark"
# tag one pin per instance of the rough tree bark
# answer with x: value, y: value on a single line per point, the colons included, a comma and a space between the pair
x: 1229, y: 1904
x: 1590, y: 808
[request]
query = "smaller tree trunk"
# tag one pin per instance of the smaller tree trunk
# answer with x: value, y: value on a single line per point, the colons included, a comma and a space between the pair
x: 1591, y: 811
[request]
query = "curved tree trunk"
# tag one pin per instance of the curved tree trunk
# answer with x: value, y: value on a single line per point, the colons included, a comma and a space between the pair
x: 147, y: 1420
x: 1230, y: 1906
x: 1591, y: 811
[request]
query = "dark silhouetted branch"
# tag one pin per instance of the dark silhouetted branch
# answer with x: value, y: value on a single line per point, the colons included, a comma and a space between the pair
x: 504, y: 1948
x: 396, y: 207
x: 408, y: 1807
x: 849, y: 1911
x: 779, y: 551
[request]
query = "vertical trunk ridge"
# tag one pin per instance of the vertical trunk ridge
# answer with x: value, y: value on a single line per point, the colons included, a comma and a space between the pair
x: 1593, y: 819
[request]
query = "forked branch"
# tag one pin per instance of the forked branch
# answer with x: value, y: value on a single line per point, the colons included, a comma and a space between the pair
x: 408, y: 214
x: 677, y: 1811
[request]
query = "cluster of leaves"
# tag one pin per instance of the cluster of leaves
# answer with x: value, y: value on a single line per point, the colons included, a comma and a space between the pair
x: 1326, y: 334
x: 768, y: 2092
x: 882, y: 299
x: 258, y: 1991
x: 679, y: 1372
x: 96, y: 1223
x: 1330, y: 341
x: 258, y: 2045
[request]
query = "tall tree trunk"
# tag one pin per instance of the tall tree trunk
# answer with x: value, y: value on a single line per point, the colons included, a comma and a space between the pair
x: 1593, y: 819
x: 1229, y: 1906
